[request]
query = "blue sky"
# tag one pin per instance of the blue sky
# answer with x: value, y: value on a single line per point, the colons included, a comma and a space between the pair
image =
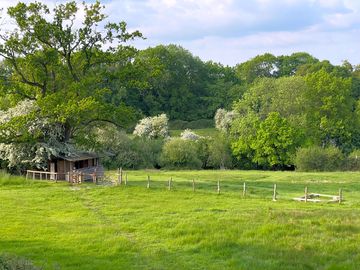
x: 231, y: 32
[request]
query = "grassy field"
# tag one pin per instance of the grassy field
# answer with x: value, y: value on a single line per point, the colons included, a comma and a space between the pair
x: 58, y: 226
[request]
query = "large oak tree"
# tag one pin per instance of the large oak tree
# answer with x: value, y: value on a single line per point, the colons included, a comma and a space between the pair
x: 57, y: 64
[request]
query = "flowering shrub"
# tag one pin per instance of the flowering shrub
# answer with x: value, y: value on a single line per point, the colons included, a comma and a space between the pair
x: 223, y: 119
x: 188, y: 134
x: 23, y: 122
x: 153, y: 127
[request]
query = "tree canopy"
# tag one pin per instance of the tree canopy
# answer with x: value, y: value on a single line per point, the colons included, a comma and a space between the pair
x: 58, y: 61
x: 68, y: 77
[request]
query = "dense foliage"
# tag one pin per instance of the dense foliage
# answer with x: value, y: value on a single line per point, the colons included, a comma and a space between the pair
x: 61, y: 86
x: 316, y: 158
x: 60, y: 69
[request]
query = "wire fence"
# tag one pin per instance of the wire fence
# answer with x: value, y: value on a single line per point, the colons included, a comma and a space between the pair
x: 245, y: 189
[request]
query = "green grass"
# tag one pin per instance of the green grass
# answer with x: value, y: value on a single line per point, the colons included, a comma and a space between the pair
x: 202, y: 132
x: 58, y: 226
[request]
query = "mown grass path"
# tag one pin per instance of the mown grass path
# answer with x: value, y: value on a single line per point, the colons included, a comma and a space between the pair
x: 100, y: 227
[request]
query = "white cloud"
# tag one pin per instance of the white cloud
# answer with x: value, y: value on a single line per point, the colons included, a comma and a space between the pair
x: 231, y: 31
x: 336, y: 46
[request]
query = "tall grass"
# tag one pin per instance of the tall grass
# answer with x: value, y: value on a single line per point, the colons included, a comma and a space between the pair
x: 7, y: 179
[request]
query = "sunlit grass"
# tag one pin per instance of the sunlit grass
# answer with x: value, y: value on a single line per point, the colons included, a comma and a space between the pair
x: 101, y: 227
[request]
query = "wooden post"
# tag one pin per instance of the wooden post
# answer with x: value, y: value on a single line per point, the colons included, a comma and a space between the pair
x: 95, y: 172
x: 274, y: 194
x: 218, y: 187
x: 93, y: 177
x: 148, y: 181
x: 169, y: 184
x: 244, y: 190
x: 340, y: 196
x: 306, y: 194
x: 193, y: 185
x: 27, y: 175
x: 56, y: 177
x: 120, y: 176
x: 33, y: 175
x: 126, y: 179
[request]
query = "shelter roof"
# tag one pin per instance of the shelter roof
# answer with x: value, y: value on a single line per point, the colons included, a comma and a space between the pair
x: 78, y: 156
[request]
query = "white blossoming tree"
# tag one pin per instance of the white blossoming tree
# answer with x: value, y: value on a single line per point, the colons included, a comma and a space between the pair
x: 224, y: 118
x: 27, y: 139
x: 153, y: 127
x: 188, y: 134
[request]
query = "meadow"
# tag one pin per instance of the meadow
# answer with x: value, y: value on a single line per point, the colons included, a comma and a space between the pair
x: 87, y: 226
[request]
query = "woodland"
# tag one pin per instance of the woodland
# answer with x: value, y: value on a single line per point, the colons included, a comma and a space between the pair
x: 66, y: 86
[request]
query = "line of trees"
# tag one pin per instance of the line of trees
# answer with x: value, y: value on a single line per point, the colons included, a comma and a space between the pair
x: 64, y: 80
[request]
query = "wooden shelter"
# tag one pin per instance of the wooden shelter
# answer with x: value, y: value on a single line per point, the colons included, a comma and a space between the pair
x: 79, y: 166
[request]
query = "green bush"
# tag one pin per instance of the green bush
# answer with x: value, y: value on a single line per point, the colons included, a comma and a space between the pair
x: 316, y: 158
x: 138, y: 153
x: 180, y: 154
x: 202, y: 149
x: 353, y: 161
x: 220, y: 153
x: 149, y: 152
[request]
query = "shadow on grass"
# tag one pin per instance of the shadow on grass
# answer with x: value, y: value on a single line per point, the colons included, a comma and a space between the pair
x: 215, y: 254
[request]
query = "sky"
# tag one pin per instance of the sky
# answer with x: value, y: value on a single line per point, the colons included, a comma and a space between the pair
x: 231, y: 32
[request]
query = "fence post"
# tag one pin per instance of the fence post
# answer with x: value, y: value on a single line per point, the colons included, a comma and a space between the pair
x: 340, y: 196
x: 244, y: 190
x: 169, y: 184
x: 148, y: 181
x: 93, y: 177
x: 120, y: 176
x: 27, y: 175
x: 126, y: 178
x: 306, y: 194
x: 218, y: 187
x: 274, y: 194
x: 193, y: 185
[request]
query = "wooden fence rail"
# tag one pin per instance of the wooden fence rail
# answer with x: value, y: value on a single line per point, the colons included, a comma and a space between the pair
x: 72, y: 177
